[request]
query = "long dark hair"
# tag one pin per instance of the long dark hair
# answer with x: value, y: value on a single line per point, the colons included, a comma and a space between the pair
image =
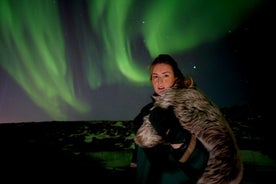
x: 182, y: 81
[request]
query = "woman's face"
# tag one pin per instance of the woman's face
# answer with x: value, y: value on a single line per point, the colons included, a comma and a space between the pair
x: 162, y: 77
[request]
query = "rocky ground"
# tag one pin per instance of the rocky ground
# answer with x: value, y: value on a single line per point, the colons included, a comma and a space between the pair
x: 96, y: 151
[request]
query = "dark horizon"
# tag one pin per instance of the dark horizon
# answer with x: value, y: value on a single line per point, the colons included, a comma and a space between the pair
x: 93, y: 151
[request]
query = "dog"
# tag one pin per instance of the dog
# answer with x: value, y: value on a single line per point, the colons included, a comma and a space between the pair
x: 200, y: 116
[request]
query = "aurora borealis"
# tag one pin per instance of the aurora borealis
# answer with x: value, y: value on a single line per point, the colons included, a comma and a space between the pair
x: 63, y: 60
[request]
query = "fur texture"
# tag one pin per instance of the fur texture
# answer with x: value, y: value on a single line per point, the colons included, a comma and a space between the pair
x: 201, y: 117
x: 147, y: 136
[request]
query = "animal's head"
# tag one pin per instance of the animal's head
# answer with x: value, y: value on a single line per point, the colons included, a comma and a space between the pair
x: 189, y: 103
x: 190, y: 98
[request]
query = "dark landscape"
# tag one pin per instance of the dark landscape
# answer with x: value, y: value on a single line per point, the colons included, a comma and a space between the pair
x: 100, y: 151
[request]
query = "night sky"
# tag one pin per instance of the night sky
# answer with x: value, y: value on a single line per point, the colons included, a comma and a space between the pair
x: 68, y: 60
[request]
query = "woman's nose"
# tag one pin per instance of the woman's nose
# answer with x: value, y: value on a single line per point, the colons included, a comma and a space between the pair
x: 160, y: 80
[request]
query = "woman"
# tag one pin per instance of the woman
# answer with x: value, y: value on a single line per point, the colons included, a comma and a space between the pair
x: 176, y: 156
x: 182, y: 129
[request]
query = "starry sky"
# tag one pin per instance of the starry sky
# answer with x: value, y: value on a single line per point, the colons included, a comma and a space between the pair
x: 72, y: 60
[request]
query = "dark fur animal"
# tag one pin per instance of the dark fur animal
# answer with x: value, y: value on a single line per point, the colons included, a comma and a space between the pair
x: 201, y: 117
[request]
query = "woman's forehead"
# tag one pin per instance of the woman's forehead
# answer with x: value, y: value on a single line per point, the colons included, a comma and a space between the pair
x: 161, y: 67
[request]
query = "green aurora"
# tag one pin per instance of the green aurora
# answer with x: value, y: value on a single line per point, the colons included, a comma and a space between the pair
x: 39, y: 38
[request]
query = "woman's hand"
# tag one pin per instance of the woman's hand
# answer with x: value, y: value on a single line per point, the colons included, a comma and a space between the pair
x: 176, y: 146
